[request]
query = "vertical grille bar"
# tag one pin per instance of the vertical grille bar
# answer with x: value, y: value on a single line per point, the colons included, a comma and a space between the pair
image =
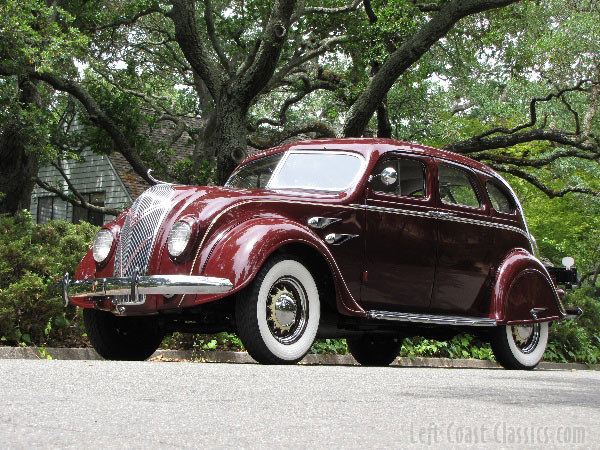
x: 139, y: 231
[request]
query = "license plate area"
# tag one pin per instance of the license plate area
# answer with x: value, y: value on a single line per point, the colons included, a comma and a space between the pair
x: 128, y: 300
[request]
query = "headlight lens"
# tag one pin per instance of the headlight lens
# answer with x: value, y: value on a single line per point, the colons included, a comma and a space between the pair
x: 178, y: 239
x: 102, y: 244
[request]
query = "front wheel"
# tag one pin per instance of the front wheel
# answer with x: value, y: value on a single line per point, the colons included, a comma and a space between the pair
x: 277, y: 316
x: 520, y: 346
x: 122, y: 338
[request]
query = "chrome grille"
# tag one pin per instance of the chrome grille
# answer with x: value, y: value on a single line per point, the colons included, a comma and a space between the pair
x: 140, y: 229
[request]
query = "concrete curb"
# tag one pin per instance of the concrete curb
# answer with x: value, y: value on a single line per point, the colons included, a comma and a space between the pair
x: 244, y: 358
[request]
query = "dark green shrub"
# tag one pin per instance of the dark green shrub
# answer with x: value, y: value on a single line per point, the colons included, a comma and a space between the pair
x: 577, y: 340
x: 33, y: 258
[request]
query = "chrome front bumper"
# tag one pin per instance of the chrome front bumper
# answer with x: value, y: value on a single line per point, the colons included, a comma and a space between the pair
x: 143, y: 285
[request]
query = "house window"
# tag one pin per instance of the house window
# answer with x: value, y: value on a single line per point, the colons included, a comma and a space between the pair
x: 45, y: 209
x: 82, y: 214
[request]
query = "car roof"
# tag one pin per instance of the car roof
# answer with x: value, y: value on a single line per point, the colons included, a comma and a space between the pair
x: 366, y: 146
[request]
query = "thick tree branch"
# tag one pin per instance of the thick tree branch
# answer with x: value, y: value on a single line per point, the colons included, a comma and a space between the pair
x: 193, y: 46
x: 96, y: 114
x: 477, y: 144
x: 369, y: 11
x: 212, y: 35
x: 321, y: 129
x: 308, y: 87
x: 538, y: 162
x: 303, y: 11
x: 131, y: 20
x: 76, y: 201
x: 591, y: 111
x: 540, y: 185
x: 513, y: 136
x: 407, y: 54
x: 302, y: 58
x: 261, y: 70
x: 427, y: 7
x: 533, y: 111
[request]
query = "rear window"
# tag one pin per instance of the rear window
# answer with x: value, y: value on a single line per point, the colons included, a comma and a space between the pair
x: 501, y: 201
x: 456, y: 187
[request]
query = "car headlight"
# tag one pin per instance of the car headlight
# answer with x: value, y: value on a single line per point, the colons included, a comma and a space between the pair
x: 179, y: 238
x: 102, y: 244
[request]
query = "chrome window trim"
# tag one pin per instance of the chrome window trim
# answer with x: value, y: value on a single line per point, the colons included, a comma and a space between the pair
x: 509, y: 196
x: 452, y: 218
x: 496, y: 176
x: 474, y: 186
x: 353, y: 182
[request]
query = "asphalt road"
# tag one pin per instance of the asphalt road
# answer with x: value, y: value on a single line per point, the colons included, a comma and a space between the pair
x: 102, y: 404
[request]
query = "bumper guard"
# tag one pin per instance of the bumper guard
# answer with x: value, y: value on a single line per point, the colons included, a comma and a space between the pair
x: 142, y: 285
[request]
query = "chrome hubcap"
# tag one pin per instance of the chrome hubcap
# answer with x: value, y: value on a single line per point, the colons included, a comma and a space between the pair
x: 287, y: 310
x: 526, y: 337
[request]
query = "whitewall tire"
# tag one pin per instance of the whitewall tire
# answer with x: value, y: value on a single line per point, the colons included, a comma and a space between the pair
x: 277, y: 316
x: 520, y: 347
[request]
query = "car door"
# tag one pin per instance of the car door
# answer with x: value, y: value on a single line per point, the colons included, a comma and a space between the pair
x: 400, y: 236
x: 463, y: 263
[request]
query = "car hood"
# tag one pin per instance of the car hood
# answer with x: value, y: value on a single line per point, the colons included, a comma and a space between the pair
x: 205, y: 202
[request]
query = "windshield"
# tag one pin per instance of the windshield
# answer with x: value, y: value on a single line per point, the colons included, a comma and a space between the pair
x: 301, y: 170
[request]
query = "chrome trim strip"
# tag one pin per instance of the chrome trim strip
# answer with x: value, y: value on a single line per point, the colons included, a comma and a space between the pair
x: 338, y: 238
x: 144, y: 285
x: 443, y: 216
x: 321, y: 222
x: 432, y: 319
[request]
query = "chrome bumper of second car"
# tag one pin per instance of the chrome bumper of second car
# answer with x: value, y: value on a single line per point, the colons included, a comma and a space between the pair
x: 143, y: 285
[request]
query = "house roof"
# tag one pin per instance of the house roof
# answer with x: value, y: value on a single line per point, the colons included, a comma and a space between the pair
x: 182, y: 148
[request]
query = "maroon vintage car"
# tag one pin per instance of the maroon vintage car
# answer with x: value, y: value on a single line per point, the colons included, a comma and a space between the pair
x: 372, y: 240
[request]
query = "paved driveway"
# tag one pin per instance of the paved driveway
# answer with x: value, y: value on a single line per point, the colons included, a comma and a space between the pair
x: 103, y: 404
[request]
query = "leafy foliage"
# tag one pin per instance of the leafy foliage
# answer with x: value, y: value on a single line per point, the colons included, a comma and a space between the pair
x: 33, y: 258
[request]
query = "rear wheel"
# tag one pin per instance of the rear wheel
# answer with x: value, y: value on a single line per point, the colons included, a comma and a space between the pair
x: 278, y: 315
x: 520, y: 346
x: 122, y: 338
x: 374, y: 351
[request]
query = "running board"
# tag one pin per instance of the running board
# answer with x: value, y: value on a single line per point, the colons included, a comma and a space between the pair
x: 432, y: 319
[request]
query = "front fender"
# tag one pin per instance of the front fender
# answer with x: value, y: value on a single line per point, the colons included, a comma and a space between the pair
x: 523, y: 285
x: 242, y: 251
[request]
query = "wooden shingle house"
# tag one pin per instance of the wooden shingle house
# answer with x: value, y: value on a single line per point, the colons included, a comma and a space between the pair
x: 105, y: 180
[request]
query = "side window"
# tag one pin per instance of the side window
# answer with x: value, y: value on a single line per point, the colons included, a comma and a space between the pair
x: 256, y: 174
x: 456, y: 187
x: 500, y: 199
x: 411, y: 177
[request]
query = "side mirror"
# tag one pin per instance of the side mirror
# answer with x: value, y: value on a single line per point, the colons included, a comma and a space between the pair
x: 388, y: 176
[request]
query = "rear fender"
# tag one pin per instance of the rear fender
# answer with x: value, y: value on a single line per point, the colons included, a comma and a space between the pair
x: 524, y: 291
x: 240, y: 253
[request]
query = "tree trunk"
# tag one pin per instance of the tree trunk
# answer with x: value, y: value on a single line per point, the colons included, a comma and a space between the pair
x: 228, y: 140
x: 18, y: 164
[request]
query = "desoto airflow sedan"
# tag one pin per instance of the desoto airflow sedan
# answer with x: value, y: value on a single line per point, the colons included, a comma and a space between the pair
x: 372, y: 240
